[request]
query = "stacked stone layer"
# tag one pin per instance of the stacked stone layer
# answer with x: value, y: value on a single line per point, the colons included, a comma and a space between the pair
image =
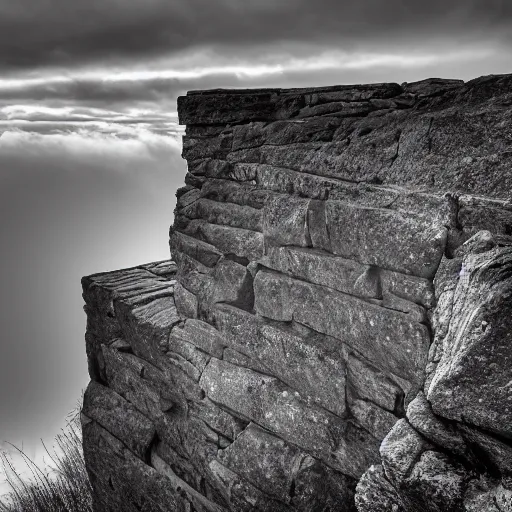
x: 316, y: 234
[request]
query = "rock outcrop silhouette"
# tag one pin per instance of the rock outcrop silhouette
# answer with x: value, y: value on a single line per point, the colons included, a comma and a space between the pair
x: 334, y: 331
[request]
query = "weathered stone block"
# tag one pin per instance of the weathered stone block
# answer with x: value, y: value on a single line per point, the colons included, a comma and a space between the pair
x: 190, y: 437
x: 123, y: 372
x: 317, y: 226
x: 245, y: 194
x: 216, y: 418
x: 274, y: 406
x: 183, y: 386
x: 211, y: 147
x: 241, y: 242
x: 411, y: 288
x: 232, y: 284
x: 147, y: 327
x: 249, y: 135
x: 338, y: 109
x: 120, y: 480
x: 369, y: 383
x: 432, y: 86
x: 318, y: 486
x: 194, y: 181
x: 186, y: 355
x: 483, y: 495
x: 400, y: 451
x: 188, y: 198
x: 358, y: 161
x: 437, y: 431
x: 355, y: 93
x: 202, y: 335
x: 456, y: 143
x: 209, y: 167
x: 264, y: 460
x: 372, y: 418
x: 415, y: 312
x: 194, y: 498
x: 320, y: 268
x: 119, y: 417
x: 497, y: 454
x: 225, y: 384
x: 311, y: 366
x: 435, y: 484
x: 387, y: 239
x: 244, y: 173
x: 197, y: 282
x: 388, y: 338
x: 288, y: 104
x: 303, y: 184
x: 186, y: 302
x: 285, y: 181
x: 100, y: 290
x: 240, y: 493
x: 316, y: 370
x: 285, y: 221
x: 226, y: 214
x: 235, y: 357
x: 273, y: 296
x: 479, y: 214
x: 165, y: 268
x: 204, y: 253
x: 375, y: 494
x: 222, y: 108
x: 198, y: 130
x: 284, y: 132
x: 357, y: 450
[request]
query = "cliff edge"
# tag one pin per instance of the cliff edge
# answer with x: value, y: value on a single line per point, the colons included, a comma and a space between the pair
x: 334, y: 331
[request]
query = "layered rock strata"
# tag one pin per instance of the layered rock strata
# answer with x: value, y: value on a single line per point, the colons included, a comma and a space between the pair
x: 338, y: 308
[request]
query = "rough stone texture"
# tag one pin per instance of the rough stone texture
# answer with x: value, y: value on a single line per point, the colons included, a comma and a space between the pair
x: 390, y: 339
x: 455, y: 448
x: 338, y: 311
x: 311, y: 365
x: 476, y: 356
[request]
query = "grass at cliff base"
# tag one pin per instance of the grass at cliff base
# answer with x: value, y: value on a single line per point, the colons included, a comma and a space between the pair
x: 63, y: 488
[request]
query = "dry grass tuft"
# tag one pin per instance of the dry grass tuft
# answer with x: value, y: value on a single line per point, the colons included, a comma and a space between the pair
x: 65, y: 489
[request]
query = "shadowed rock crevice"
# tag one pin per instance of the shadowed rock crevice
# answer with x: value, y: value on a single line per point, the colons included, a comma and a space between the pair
x: 336, y: 312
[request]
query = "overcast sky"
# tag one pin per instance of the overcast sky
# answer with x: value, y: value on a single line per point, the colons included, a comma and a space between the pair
x: 89, y: 146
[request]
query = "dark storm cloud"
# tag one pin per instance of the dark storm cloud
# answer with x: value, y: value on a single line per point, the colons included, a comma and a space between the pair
x: 118, y: 94
x: 59, y: 32
x: 93, y: 91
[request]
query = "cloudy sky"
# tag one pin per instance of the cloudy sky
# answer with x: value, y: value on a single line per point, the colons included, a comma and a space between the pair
x: 89, y: 145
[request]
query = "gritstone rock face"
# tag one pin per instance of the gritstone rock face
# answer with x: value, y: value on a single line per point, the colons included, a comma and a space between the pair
x: 334, y: 332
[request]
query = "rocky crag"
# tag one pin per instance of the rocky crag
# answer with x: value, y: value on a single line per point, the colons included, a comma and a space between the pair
x: 335, y: 330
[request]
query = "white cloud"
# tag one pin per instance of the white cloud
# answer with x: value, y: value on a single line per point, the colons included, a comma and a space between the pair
x: 108, y: 144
